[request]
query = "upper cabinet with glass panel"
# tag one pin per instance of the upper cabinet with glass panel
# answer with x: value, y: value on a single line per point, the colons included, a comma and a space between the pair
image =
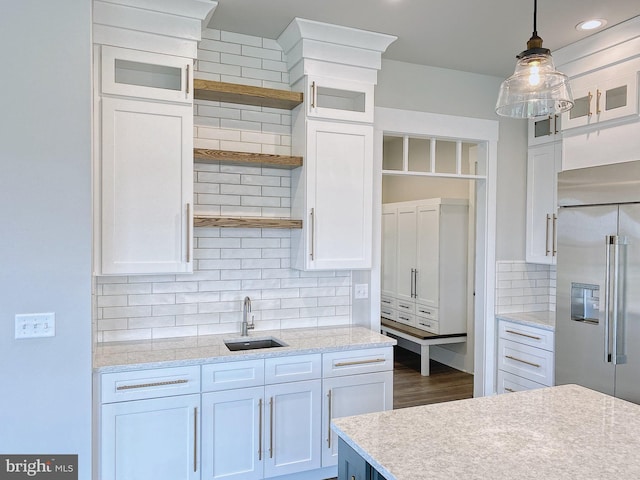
x: 429, y: 156
x: 339, y: 99
x: 607, y: 94
x: 134, y: 73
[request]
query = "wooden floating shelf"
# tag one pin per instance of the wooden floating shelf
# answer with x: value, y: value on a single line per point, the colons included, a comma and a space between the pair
x: 245, y: 94
x: 245, y: 222
x: 204, y: 155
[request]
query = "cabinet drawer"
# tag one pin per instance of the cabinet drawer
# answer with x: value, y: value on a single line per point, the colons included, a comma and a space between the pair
x: 427, y: 312
x: 336, y: 364
x: 406, y: 307
x: 292, y: 369
x: 536, y: 337
x: 431, y: 326
x: 140, y: 384
x: 388, y: 301
x: 387, y: 312
x: 525, y: 361
x: 223, y: 376
x: 509, y: 383
x: 406, y: 318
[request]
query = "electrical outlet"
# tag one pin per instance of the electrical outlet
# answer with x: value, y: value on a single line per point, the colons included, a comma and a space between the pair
x: 32, y: 325
x: 361, y: 290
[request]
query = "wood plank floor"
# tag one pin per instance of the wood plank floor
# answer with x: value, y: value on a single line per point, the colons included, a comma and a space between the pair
x: 442, y: 385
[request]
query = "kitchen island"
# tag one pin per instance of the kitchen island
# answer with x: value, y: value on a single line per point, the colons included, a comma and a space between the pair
x: 564, y: 432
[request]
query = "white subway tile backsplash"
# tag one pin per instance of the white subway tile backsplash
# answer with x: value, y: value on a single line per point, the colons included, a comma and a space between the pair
x: 231, y: 263
x: 524, y: 287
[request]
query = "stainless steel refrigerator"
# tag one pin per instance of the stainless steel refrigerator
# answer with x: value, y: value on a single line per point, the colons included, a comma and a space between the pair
x: 598, y: 279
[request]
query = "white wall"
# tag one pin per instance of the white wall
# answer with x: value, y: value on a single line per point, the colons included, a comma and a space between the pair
x: 437, y: 90
x: 45, y: 214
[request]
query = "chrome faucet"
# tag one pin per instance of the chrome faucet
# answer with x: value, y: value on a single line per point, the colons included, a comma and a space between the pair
x: 246, y: 326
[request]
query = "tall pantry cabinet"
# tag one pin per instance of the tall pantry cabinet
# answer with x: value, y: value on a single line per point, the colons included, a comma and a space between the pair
x: 143, y: 131
x: 336, y: 68
x: 424, y: 264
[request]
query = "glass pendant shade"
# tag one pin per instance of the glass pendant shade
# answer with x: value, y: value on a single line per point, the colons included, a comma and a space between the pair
x: 535, y: 89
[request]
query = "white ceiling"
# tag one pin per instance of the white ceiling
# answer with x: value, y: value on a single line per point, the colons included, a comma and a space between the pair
x: 468, y: 35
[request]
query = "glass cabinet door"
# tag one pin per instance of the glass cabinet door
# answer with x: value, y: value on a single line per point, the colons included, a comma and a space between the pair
x: 134, y: 73
x: 339, y: 99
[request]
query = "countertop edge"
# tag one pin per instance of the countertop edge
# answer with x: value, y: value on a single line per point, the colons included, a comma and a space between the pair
x: 545, y: 320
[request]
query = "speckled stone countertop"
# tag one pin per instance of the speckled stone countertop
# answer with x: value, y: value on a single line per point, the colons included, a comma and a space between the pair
x: 545, y: 320
x: 124, y: 356
x: 556, y: 433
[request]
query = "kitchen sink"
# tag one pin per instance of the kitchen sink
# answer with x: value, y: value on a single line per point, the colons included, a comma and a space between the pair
x: 254, y: 344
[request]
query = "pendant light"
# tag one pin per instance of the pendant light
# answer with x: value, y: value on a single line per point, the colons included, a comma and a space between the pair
x: 536, y: 88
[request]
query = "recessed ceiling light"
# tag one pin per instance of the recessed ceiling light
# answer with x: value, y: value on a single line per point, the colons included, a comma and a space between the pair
x: 591, y: 24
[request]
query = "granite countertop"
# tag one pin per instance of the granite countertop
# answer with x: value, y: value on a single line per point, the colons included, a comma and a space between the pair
x: 544, y: 319
x: 134, y: 355
x: 564, y: 432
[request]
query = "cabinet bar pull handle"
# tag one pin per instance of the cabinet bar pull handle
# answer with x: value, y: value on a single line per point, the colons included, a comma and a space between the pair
x: 555, y: 124
x: 386, y: 301
x: 589, y: 112
x: 598, y: 94
x: 425, y: 324
x: 522, y: 361
x: 425, y: 311
x: 404, y: 318
x: 313, y: 233
x: 554, y: 250
x: 523, y: 334
x: 550, y: 131
x: 187, y: 85
x: 509, y: 389
x: 415, y: 283
x: 152, y: 384
x: 546, y: 236
x: 195, y: 439
x: 359, y: 362
x: 188, y: 232
x: 329, y: 422
x: 404, y: 306
x: 271, y: 427
x: 314, y: 95
x: 411, y: 283
x: 260, y: 430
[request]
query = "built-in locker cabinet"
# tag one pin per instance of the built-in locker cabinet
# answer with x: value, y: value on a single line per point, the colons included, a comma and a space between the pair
x: 429, y: 254
x: 543, y: 164
x: 333, y: 193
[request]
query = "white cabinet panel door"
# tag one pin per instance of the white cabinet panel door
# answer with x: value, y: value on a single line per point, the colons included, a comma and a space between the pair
x: 352, y: 395
x: 232, y: 446
x: 407, y: 250
x: 339, y: 170
x: 153, y: 439
x: 146, y: 187
x: 292, y: 436
x: 427, y: 277
x: 389, y: 248
x: 543, y: 165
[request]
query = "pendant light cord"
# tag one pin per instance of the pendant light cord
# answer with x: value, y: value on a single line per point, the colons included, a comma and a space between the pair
x: 535, y: 17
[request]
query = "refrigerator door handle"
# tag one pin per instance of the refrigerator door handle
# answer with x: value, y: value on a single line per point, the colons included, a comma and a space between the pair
x: 607, y: 298
x: 618, y: 351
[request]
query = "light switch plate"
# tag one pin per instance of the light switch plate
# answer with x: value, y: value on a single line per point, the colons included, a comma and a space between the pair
x: 32, y: 325
x: 361, y: 290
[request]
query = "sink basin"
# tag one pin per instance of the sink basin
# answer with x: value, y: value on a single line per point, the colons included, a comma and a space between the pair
x: 254, y: 344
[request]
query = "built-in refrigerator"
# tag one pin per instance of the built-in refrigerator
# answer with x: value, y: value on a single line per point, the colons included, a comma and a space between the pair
x: 598, y: 279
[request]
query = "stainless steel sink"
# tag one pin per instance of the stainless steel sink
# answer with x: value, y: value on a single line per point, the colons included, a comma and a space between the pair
x: 254, y: 344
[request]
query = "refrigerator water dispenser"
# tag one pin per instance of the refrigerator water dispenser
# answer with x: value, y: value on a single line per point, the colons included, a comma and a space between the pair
x: 585, y: 300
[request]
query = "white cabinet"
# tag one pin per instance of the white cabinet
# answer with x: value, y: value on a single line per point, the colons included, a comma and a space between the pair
x: 354, y: 383
x: 261, y: 431
x: 339, y: 99
x: 545, y: 130
x: 149, y: 425
x: 525, y: 357
x: 332, y: 193
x: 428, y: 254
x: 134, y: 73
x: 543, y: 165
x: 607, y: 94
x: 144, y: 149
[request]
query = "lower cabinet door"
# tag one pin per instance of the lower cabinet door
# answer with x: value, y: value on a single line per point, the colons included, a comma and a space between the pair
x: 232, y: 444
x: 153, y: 439
x: 292, y: 430
x: 351, y: 466
x: 352, y: 395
